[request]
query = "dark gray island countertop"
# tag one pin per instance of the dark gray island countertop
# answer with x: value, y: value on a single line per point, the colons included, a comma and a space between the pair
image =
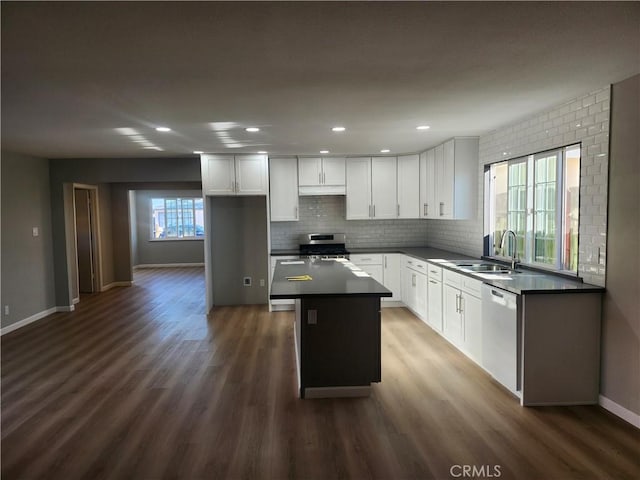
x: 330, y: 278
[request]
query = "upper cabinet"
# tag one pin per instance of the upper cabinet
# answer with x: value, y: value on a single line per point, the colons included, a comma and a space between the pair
x: 372, y: 188
x: 321, y: 175
x: 408, y: 186
x: 234, y: 174
x: 283, y: 188
x: 449, y: 180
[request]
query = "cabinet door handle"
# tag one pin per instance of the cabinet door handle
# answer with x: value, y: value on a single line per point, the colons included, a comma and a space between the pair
x: 296, y: 212
x: 461, y: 304
x: 324, y: 178
x: 398, y: 210
x: 426, y: 209
x: 432, y: 281
x: 457, y: 304
x: 385, y: 261
x: 441, y: 209
x: 413, y: 279
x: 374, y: 211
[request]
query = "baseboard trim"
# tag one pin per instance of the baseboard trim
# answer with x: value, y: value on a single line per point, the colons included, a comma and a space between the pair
x: 111, y: 285
x: 168, y: 265
x: 75, y: 300
x: 619, y: 411
x: 34, y: 318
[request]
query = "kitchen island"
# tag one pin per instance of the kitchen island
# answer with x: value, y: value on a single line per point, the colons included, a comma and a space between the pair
x: 337, y: 325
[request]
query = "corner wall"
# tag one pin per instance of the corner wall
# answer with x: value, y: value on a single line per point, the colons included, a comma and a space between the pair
x: 621, y: 307
x: 27, y: 261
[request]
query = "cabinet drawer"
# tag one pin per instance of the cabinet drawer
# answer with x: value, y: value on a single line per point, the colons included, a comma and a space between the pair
x: 364, y: 259
x: 452, y: 278
x: 415, y: 264
x: 434, y: 271
x: 471, y: 286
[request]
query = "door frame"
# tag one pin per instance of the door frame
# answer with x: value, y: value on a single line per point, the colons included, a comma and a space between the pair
x: 96, y: 239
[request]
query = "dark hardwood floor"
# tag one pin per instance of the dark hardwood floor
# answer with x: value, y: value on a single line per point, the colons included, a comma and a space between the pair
x: 138, y: 383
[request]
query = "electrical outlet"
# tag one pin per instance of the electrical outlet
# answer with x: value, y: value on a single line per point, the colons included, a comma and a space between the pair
x: 6, y: 309
x: 35, y: 231
x: 262, y: 282
x: 246, y: 281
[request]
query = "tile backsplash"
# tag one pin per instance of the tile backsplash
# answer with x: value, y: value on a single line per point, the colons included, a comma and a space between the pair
x: 328, y: 214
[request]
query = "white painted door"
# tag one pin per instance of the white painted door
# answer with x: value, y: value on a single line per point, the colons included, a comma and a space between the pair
x: 428, y: 204
x: 453, y: 328
x: 251, y: 175
x: 392, y: 276
x: 434, y: 304
x: 409, y: 186
x: 218, y: 174
x: 472, y: 320
x: 310, y: 171
x: 358, y: 188
x: 384, y: 197
x: 446, y: 180
x: 333, y: 171
x: 283, y: 189
x: 421, y: 295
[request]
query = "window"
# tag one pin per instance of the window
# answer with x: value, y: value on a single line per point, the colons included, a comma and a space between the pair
x: 175, y: 218
x: 537, y: 197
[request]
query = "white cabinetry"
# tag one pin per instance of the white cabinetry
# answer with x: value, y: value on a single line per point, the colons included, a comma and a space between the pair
x: 428, y: 184
x: 283, y: 189
x: 449, y: 180
x: 408, y: 186
x: 234, y: 174
x: 372, y: 188
x: 462, y: 313
x: 434, y: 296
x: 414, y: 286
x: 321, y: 175
x: 286, y: 303
x: 384, y: 268
x: 392, y: 265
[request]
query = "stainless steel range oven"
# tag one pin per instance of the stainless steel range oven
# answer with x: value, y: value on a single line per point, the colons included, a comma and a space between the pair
x: 323, y: 245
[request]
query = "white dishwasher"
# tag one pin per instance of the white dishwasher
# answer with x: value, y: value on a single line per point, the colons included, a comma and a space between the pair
x: 500, y: 334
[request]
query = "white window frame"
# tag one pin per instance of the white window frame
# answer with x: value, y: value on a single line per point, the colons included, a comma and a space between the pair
x: 528, y: 256
x: 178, y: 201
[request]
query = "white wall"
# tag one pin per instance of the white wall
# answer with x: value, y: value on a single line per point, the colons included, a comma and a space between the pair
x: 583, y: 119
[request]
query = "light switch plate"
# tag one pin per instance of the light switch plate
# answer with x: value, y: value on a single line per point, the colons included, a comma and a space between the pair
x: 35, y: 231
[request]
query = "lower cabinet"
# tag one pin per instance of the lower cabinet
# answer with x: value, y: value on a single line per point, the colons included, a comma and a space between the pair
x: 434, y: 297
x: 283, y: 304
x: 414, y: 286
x: 462, y: 313
x: 385, y: 269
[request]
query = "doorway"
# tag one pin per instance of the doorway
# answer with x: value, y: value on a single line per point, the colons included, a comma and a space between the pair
x: 86, y: 239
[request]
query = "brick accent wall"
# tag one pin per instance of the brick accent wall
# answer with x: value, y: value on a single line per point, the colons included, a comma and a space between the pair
x: 584, y: 119
x: 327, y: 214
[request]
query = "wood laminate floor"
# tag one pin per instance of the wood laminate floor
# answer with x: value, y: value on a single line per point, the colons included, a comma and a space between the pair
x: 138, y: 383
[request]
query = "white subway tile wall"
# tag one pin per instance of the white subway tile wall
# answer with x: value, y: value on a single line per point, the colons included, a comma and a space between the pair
x: 326, y: 214
x: 585, y: 120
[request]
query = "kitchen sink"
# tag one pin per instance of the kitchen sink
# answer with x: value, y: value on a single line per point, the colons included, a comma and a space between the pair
x: 486, y: 268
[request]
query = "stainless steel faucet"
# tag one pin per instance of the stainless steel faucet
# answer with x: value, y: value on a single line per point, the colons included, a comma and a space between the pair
x: 514, y: 255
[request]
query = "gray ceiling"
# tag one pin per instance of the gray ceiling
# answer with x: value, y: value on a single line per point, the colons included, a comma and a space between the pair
x: 85, y: 79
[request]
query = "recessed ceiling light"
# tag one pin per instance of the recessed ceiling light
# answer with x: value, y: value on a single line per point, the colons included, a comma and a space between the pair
x: 198, y: 152
x: 262, y: 152
x: 338, y: 129
x: 385, y: 150
x: 423, y: 127
x: 252, y: 129
x: 163, y: 129
x: 324, y: 151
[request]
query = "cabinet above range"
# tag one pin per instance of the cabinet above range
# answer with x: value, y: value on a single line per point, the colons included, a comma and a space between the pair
x: 321, y: 176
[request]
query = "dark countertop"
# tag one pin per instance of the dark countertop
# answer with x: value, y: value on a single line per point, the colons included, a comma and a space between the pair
x: 329, y: 279
x: 526, y: 282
